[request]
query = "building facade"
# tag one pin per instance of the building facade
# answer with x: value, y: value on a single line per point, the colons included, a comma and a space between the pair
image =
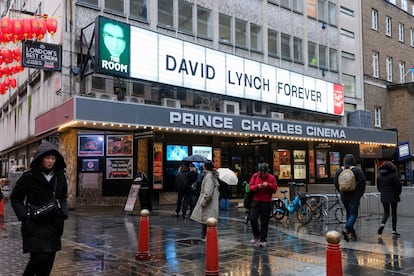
x: 145, y: 83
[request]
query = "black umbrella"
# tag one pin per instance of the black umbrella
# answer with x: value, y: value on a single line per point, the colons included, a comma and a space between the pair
x: 195, y: 158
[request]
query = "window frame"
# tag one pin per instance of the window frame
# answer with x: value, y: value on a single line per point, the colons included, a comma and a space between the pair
x: 298, y: 50
x: 142, y: 12
x: 114, y: 10
x: 375, y: 64
x: 183, y: 8
x: 401, y: 37
x: 270, y: 33
x: 374, y: 19
x: 388, y: 68
x: 401, y: 70
x: 388, y: 26
x: 257, y: 37
x: 377, y: 117
x: 207, y: 22
x: 240, y: 32
x: 283, y: 48
x: 229, y: 28
x: 169, y: 14
x: 312, y: 55
x: 333, y: 60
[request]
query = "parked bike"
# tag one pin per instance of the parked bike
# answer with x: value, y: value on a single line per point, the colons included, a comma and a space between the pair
x: 321, y: 208
x: 285, y: 207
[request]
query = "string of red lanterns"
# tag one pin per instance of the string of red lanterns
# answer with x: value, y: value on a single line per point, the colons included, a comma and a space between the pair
x: 14, y: 30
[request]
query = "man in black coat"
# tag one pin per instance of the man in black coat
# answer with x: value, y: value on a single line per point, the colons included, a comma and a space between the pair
x: 351, y: 199
x: 44, y: 183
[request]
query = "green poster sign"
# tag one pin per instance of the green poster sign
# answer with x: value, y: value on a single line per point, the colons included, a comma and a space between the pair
x: 113, y: 47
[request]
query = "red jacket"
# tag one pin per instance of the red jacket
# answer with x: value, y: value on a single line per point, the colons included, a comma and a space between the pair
x: 263, y: 193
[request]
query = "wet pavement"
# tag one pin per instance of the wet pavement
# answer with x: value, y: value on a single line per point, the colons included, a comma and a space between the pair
x: 103, y: 241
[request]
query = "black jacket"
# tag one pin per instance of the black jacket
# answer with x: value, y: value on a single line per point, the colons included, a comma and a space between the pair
x: 388, y: 184
x: 349, y: 160
x: 32, y: 187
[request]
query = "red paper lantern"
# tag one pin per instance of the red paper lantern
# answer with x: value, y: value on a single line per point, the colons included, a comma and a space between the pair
x: 35, y: 26
x: 13, y: 82
x: 17, y: 54
x: 26, y: 28
x: 6, y: 71
x: 6, y: 81
x: 51, y: 25
x: 17, y: 29
x: 2, y: 90
x: 7, y: 55
x: 41, y: 31
x: 19, y: 68
x: 6, y: 28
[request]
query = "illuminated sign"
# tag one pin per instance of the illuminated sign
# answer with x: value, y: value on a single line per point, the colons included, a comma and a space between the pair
x: 165, y: 59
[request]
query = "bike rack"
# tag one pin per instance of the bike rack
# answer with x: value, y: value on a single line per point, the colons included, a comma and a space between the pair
x: 368, y: 197
x: 326, y: 197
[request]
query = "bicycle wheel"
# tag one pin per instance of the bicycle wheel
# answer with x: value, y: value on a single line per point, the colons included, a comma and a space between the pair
x: 340, y: 214
x: 304, y: 213
x: 278, y: 208
x: 316, y: 208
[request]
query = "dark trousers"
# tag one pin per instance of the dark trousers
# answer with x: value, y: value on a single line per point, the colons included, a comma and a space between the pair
x: 180, y: 197
x: 393, y: 214
x: 351, y: 207
x: 260, y: 209
x: 187, y: 200
x: 40, y: 264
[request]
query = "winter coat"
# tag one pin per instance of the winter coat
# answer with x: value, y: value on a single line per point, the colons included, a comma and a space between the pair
x: 32, y: 186
x: 349, y: 160
x: 208, y: 202
x: 263, y: 194
x: 389, y: 184
x: 182, y: 180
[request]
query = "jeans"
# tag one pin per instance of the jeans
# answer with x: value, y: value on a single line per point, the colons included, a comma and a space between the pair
x: 351, y: 207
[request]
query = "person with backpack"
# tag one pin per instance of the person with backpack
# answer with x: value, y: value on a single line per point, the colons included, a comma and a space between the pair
x: 389, y: 185
x: 350, y: 182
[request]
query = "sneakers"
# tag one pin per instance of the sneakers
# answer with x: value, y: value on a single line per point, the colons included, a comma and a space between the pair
x: 254, y: 241
x: 345, y: 235
x: 380, y: 229
x: 175, y: 215
x: 395, y: 234
x: 353, y: 236
x: 262, y: 244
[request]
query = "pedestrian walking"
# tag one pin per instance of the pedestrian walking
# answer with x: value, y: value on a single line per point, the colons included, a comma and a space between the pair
x: 195, y: 187
x: 389, y: 185
x: 263, y: 186
x: 207, y: 205
x: 351, y: 199
x: 184, y: 190
x: 39, y: 201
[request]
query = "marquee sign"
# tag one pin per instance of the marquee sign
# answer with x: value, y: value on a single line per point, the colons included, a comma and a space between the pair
x: 164, y: 59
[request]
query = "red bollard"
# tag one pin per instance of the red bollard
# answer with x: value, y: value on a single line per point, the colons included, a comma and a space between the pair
x: 2, y: 208
x: 212, y: 264
x: 143, y: 237
x: 333, y: 254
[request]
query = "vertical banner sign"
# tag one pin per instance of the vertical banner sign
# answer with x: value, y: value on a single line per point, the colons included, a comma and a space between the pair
x: 276, y: 163
x: 311, y: 166
x: 217, y: 157
x: 157, y: 166
x: 113, y: 44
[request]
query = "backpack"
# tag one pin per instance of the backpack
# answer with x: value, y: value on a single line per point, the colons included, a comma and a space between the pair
x: 346, y: 180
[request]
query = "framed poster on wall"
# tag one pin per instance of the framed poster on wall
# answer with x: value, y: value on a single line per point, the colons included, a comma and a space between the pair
x: 90, y: 145
x: 119, y: 168
x: 119, y: 145
x: 299, y: 164
x: 285, y: 164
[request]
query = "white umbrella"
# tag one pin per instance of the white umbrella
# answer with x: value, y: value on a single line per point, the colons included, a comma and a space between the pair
x: 228, y: 176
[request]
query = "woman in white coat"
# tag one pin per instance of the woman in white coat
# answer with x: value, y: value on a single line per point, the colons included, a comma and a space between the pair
x: 207, y: 205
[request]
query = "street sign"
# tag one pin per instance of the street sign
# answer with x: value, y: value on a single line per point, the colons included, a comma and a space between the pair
x: 41, y: 55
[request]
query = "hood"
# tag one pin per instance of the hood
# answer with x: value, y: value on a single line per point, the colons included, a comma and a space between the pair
x: 349, y: 160
x: 387, y: 167
x: 47, y: 148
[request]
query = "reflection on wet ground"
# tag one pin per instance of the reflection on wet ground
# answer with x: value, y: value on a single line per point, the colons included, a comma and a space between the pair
x: 102, y: 241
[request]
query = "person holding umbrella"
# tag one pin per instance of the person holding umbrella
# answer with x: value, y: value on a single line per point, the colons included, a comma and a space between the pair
x: 226, y: 177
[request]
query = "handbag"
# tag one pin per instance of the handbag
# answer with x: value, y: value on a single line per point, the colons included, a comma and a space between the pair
x: 248, y: 198
x: 46, y: 211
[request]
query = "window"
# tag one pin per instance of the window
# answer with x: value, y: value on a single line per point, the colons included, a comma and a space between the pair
x: 297, y: 6
x: 311, y: 8
x: 374, y: 20
x: 204, y: 25
x: 387, y: 26
x: 412, y: 37
x: 347, y: 33
x: 241, y: 33
x: 165, y: 13
x: 348, y: 55
x: 185, y: 17
x: 377, y: 116
x: 333, y: 59
x: 225, y: 28
x: 312, y: 54
x: 114, y: 6
x: 401, y: 68
x: 349, y: 83
x: 323, y: 57
x: 404, y: 5
x: 255, y: 37
x: 388, y: 67
x: 322, y: 10
x: 272, y: 42
x: 285, y: 4
x: 331, y: 14
x: 138, y: 9
x: 297, y: 50
x: 400, y: 32
x: 285, y: 46
x: 375, y: 58
x: 347, y: 11
x: 93, y: 3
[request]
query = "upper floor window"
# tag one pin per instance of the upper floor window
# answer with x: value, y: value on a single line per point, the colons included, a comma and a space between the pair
x: 401, y: 69
x: 312, y: 58
x: 241, y: 32
x: 374, y: 19
x: 323, y: 58
x: 388, y: 26
x: 400, y: 32
x: 185, y: 17
x: 322, y: 13
x: 412, y: 37
x: 165, y: 13
x: 333, y: 59
x: 347, y: 33
x: 404, y: 5
x: 377, y: 116
x: 225, y: 28
x: 298, y: 50
x: 272, y: 42
x: 114, y: 6
x: 375, y: 60
x: 255, y: 37
x: 204, y: 25
x: 348, y: 55
x: 285, y: 41
x: 297, y: 6
x: 388, y: 67
x: 331, y: 13
x: 138, y: 9
x: 392, y: 1
x: 349, y: 84
x: 93, y: 3
x: 311, y: 8
x: 347, y: 11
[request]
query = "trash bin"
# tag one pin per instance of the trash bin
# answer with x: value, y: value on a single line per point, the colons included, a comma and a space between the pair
x: 144, y: 193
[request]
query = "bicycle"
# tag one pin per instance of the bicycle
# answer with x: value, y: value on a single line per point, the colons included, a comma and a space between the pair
x: 285, y: 207
x: 320, y: 207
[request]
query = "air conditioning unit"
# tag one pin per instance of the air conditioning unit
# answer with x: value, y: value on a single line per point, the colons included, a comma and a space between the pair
x: 106, y: 96
x: 277, y: 115
x: 170, y: 102
x: 133, y: 99
x: 259, y: 109
x: 229, y: 107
